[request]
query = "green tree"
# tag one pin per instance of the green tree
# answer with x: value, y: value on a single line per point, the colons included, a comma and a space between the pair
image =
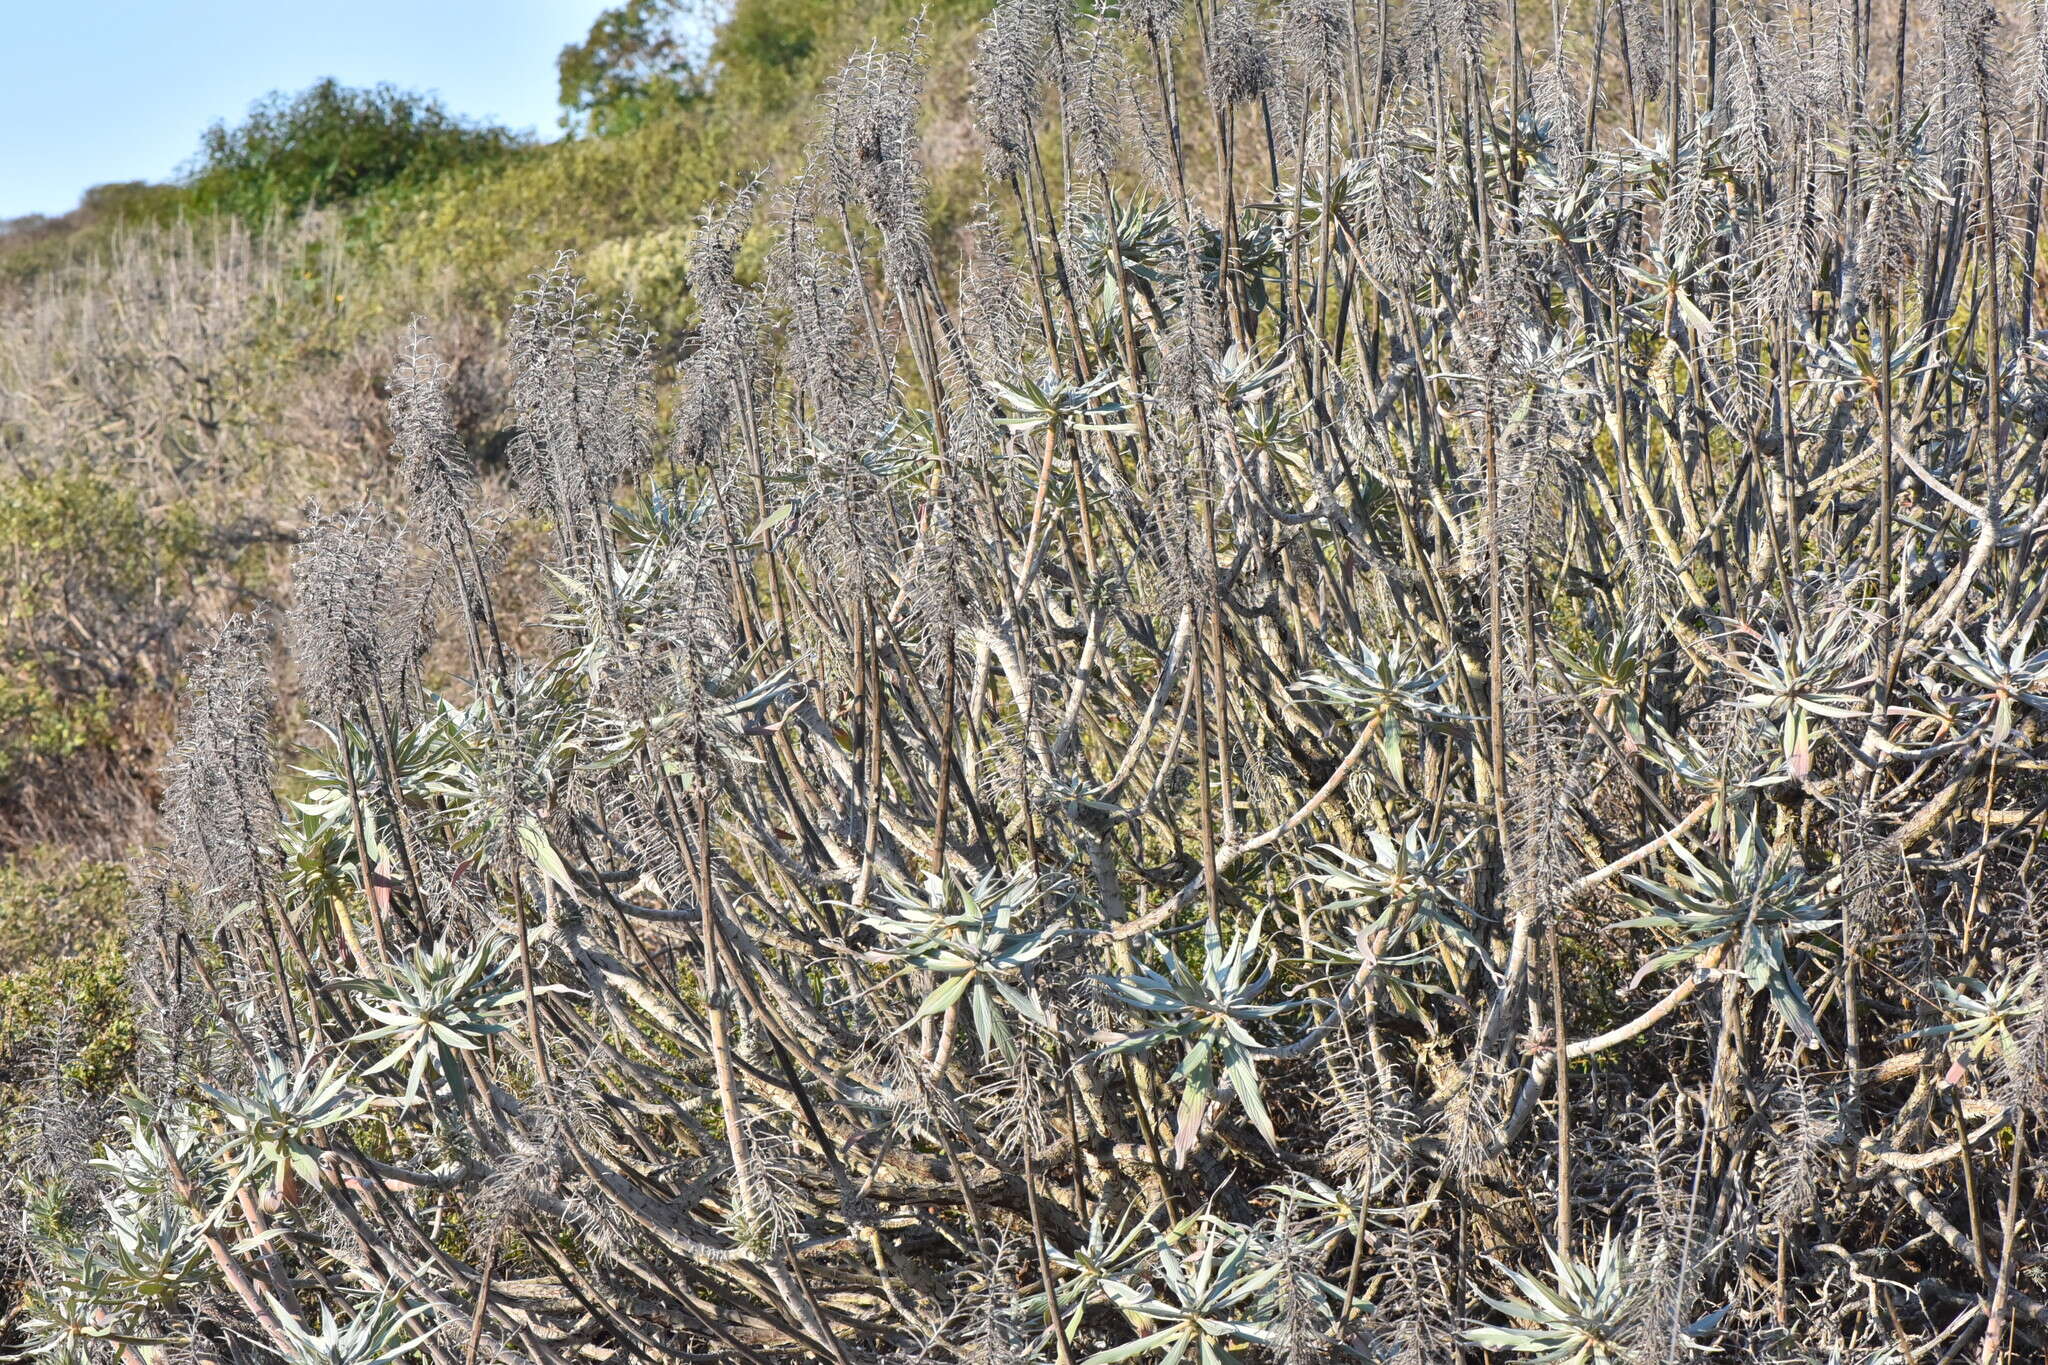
x: 638, y: 61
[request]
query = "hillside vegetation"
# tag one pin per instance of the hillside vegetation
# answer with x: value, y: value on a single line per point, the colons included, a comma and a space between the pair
x: 1226, y: 683
x: 186, y: 368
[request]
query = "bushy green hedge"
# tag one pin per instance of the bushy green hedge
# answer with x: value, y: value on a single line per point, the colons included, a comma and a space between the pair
x: 83, y: 997
x: 63, y: 979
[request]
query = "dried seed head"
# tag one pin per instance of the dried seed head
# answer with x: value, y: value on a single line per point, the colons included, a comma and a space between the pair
x: 869, y: 150
x: 943, y: 578
x: 1018, y: 1104
x: 1555, y: 104
x: 712, y: 269
x: 1316, y: 38
x: 440, y: 481
x: 1643, y: 30
x: 351, y: 634
x: 986, y: 1320
x: 1472, y: 1115
x: 582, y: 394
x: 1808, y: 1124
x: 1370, y: 1125
x: 829, y: 356
x: 1183, y: 568
x: 2025, y: 1082
x: 996, y: 312
x: 1972, y: 77
x: 1096, y: 87
x: 1413, y: 1317
x: 1541, y: 856
x: 852, y: 530
x: 1157, y: 21
x: 1887, y: 247
x: 1301, y: 1317
x: 728, y: 323
x: 618, y: 388
x: 769, y: 1209
x: 1241, y: 66
x: 218, y: 804
x: 1008, y: 83
x: 1451, y: 35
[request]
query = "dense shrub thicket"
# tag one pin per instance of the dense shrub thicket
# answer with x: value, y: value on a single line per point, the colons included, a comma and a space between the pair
x: 329, y: 144
x: 1402, y: 724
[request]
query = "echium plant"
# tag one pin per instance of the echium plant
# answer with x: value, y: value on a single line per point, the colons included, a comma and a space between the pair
x: 276, y: 1122
x: 435, y: 1004
x: 1422, y: 644
x: 1209, y: 1008
x: 1581, y: 1316
x: 1800, y: 683
x: 380, y: 1333
x: 1754, y: 914
x: 1389, y: 690
x: 1203, y: 1305
x: 979, y: 952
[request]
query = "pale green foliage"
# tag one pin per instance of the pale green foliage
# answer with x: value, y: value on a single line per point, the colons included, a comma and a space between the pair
x: 1982, y: 1015
x: 275, y: 1121
x: 1209, y: 1007
x: 1200, y: 1308
x: 1754, y: 911
x: 979, y: 951
x: 380, y: 1334
x: 435, y: 1004
x: 1579, y: 1316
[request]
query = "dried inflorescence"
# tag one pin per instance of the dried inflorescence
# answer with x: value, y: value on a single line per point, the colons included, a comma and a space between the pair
x: 1241, y: 60
x: 1009, y: 83
x: 354, y: 610
x: 219, y: 808
x: 440, y: 479
x: 582, y: 400
x: 869, y: 153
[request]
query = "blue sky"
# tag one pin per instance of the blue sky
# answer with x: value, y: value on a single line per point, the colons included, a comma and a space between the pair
x: 93, y: 91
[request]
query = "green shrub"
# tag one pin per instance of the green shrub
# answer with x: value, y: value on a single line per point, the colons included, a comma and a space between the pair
x: 330, y: 144
x: 124, y: 203
x: 762, y: 44
x: 53, y: 906
x: 491, y: 231
x: 84, y: 575
x: 629, y: 199
x: 73, y: 535
x: 38, y: 242
x: 81, y: 1000
x: 43, y: 720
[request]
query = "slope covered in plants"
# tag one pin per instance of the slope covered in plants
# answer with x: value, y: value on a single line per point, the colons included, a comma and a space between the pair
x: 1396, y: 716
x: 185, y: 367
